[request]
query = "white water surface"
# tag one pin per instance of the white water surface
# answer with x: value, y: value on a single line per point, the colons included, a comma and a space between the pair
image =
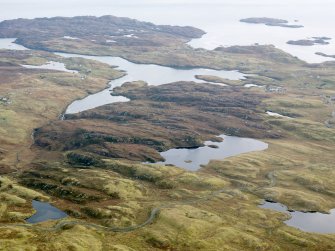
x: 150, y: 73
x: 277, y: 115
x: 51, y: 65
x: 8, y: 44
x: 314, y: 222
x: 219, y: 18
x: 193, y: 159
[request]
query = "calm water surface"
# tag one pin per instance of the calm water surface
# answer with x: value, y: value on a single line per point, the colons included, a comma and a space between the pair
x: 219, y: 18
x: 308, y: 222
x: 45, y: 212
x: 152, y: 74
x: 8, y: 44
x: 192, y: 159
x: 57, y: 66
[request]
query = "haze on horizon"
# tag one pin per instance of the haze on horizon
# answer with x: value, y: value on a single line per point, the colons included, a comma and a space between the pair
x: 218, y: 18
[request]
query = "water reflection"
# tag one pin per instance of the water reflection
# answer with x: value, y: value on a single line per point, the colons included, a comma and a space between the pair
x: 8, y: 44
x: 57, y: 66
x: 308, y: 222
x: 45, y: 212
x: 150, y: 73
x: 192, y: 159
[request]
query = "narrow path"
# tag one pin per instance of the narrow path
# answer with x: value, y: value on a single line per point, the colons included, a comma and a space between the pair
x: 272, y: 177
x: 153, y: 215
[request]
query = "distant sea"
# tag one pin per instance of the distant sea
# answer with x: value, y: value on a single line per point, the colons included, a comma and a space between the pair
x: 219, y: 18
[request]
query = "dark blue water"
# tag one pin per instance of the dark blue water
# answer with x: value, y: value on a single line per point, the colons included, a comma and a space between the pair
x: 45, y: 212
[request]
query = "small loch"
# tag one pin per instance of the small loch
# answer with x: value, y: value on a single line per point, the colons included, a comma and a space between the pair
x: 307, y: 222
x: 45, y: 212
x: 51, y: 65
x: 193, y: 159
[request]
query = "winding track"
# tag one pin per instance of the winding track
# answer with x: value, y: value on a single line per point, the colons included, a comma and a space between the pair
x: 153, y: 215
x: 272, y: 178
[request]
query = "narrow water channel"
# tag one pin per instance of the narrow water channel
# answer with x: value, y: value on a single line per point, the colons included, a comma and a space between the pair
x: 51, y: 65
x: 150, y: 73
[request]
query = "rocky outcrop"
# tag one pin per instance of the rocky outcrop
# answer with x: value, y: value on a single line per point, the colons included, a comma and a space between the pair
x: 311, y: 41
x: 270, y: 22
x: 36, y: 33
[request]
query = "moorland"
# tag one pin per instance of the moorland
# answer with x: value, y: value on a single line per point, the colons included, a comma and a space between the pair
x: 90, y: 164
